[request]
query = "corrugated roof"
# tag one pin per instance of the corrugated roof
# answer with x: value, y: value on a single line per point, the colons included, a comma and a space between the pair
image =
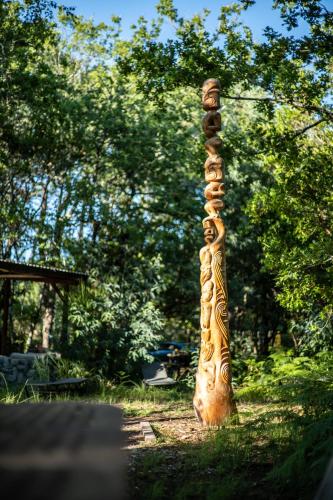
x: 14, y: 270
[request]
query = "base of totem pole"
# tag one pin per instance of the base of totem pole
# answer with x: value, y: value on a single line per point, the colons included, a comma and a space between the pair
x: 214, y: 407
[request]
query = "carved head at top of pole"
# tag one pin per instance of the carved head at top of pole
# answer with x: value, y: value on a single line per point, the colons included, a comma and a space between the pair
x: 211, y: 94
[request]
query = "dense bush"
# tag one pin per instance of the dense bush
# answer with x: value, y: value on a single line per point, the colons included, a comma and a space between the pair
x: 114, y: 326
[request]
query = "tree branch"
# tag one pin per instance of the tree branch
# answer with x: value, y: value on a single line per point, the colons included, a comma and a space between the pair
x: 243, y: 98
x: 303, y: 130
x: 316, y: 109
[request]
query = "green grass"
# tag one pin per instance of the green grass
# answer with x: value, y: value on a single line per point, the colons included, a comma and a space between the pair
x: 135, y: 399
x: 138, y: 400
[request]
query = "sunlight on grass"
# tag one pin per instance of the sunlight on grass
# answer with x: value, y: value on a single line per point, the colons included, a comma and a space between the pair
x: 138, y: 400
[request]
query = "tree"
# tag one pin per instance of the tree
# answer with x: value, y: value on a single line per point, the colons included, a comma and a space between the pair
x: 295, y: 211
x: 291, y: 70
x: 288, y: 78
x: 107, y: 193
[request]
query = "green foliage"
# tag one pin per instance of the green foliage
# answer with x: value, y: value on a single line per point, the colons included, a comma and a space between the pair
x: 311, y: 334
x: 67, y: 368
x: 108, y: 193
x: 290, y: 68
x: 296, y: 210
x: 188, y: 380
x: 282, y: 377
x: 10, y: 396
x: 132, y: 392
x: 255, y: 315
x: 115, y: 325
x: 51, y: 367
x: 278, y: 449
x: 45, y: 368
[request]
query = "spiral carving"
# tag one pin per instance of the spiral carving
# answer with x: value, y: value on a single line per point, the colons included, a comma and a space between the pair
x: 213, y: 395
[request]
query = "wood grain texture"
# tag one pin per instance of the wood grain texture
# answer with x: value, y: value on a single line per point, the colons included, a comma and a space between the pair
x: 213, y: 398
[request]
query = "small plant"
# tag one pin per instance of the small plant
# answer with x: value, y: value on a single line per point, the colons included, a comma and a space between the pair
x: 51, y: 367
x: 45, y: 367
x: 11, y: 396
x: 66, y: 368
x: 188, y: 379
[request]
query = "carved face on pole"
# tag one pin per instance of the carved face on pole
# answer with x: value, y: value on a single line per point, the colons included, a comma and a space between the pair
x: 209, y: 231
x: 213, y: 145
x: 214, y: 190
x: 211, y: 94
x: 213, y: 169
x: 211, y: 123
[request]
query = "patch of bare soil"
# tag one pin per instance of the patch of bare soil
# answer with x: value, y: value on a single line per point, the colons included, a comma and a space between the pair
x: 174, y: 426
x: 170, y: 428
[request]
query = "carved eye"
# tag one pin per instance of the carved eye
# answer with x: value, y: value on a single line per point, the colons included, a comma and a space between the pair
x: 210, y: 385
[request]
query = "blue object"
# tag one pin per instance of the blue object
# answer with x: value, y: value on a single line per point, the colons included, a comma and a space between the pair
x: 166, y: 348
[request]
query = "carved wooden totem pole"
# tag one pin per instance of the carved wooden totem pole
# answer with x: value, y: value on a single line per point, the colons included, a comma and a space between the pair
x: 213, y: 399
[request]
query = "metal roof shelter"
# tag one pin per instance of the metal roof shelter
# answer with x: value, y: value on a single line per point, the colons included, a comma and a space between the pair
x: 10, y: 271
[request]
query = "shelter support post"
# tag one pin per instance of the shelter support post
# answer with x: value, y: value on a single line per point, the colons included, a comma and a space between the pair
x: 5, y: 317
x: 65, y: 311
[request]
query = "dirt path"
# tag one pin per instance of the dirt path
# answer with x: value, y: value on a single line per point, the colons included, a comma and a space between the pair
x: 178, y: 425
x: 152, y: 460
x: 169, y: 428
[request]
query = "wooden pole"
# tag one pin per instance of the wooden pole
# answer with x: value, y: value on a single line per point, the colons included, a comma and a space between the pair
x: 213, y: 398
x: 5, y: 318
x: 65, y: 310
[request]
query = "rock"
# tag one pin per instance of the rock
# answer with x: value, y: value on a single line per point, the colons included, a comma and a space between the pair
x: 12, y: 375
x: 31, y: 374
x: 22, y: 366
x: 21, y: 378
x: 27, y: 355
x: 4, y: 362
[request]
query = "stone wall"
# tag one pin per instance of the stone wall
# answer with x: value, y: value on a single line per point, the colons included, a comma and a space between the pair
x: 18, y: 368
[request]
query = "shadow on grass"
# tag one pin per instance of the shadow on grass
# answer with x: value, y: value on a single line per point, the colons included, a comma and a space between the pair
x: 279, y: 454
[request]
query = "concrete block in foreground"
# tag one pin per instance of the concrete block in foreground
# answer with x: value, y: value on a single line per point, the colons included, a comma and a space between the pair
x: 61, y: 451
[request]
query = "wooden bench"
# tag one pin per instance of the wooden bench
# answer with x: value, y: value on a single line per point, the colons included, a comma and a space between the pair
x: 62, y: 384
